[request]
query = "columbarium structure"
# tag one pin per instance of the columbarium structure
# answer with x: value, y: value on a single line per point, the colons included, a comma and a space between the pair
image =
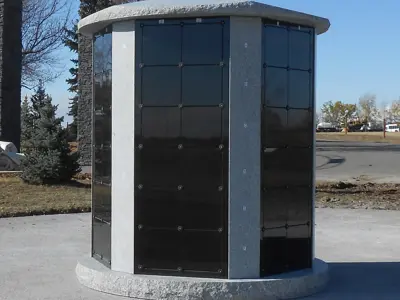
x: 203, y: 151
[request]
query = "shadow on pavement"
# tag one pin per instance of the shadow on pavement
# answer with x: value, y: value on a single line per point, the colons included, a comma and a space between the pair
x: 362, y: 281
x: 331, y: 161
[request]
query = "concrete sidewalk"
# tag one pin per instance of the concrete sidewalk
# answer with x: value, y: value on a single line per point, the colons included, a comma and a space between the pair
x: 38, y: 256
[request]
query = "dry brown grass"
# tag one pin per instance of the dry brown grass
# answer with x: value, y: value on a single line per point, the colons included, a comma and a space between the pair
x: 20, y: 199
x: 391, y: 137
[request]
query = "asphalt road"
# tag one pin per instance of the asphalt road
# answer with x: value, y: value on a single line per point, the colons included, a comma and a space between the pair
x: 376, y: 162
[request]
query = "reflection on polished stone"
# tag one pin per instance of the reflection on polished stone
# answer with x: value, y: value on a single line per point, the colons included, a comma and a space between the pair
x: 182, y: 164
x: 287, y: 154
x: 101, y: 183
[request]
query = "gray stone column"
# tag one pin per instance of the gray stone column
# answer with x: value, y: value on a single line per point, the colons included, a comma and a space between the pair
x: 244, y: 148
x: 10, y: 70
x: 314, y: 150
x: 85, y: 50
x: 123, y: 138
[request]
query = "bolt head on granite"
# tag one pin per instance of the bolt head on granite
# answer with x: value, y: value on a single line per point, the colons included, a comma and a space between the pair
x: 198, y: 8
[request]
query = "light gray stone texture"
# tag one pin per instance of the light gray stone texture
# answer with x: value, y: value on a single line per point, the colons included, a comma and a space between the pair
x: 199, y: 8
x: 85, y: 109
x: 244, y: 148
x: 291, y: 285
x: 123, y: 134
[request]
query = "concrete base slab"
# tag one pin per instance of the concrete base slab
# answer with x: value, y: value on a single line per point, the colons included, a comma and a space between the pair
x: 287, y: 286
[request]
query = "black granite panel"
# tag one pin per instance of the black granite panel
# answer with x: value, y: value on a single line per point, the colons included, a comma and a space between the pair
x: 101, y: 150
x: 287, y: 147
x: 181, y: 143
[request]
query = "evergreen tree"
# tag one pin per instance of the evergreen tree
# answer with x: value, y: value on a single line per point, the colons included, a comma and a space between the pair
x: 38, y: 100
x: 48, y: 157
x: 86, y: 8
x: 26, y: 123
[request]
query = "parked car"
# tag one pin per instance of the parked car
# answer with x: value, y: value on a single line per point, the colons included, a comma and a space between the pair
x: 392, y: 128
x: 326, y: 127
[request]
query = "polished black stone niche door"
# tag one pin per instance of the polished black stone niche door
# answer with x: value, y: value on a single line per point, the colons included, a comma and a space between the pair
x: 287, y: 147
x: 181, y: 147
x: 101, y: 151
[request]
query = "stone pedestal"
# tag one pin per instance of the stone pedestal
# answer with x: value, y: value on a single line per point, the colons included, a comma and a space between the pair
x: 203, y: 181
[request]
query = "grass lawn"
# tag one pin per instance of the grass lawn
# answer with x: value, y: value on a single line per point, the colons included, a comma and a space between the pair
x: 391, y: 137
x: 19, y: 199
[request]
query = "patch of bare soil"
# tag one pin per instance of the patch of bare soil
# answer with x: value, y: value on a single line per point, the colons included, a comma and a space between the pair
x: 362, y: 195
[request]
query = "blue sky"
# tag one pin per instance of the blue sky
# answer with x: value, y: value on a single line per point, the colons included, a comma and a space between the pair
x: 359, y: 54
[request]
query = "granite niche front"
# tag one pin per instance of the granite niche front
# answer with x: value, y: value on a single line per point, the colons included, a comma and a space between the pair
x: 203, y: 151
x: 181, y: 147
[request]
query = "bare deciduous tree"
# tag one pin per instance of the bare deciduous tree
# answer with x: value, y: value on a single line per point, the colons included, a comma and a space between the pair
x: 395, y: 110
x: 367, y: 109
x: 43, y: 25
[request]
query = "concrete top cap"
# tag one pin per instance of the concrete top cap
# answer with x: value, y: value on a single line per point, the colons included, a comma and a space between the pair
x: 152, y: 9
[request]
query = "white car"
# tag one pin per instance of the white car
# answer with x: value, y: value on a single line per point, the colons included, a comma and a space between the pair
x: 392, y: 128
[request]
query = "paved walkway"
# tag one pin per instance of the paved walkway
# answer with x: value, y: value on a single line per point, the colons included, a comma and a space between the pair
x: 38, y: 256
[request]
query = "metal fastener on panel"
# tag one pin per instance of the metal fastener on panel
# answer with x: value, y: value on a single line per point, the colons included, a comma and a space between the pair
x: 199, y: 20
x: 221, y: 63
x: 140, y: 267
x: 140, y: 146
x: 140, y: 186
x: 140, y: 227
x: 244, y: 248
x: 221, y: 105
x: 180, y: 269
x: 140, y: 105
x: 220, y: 271
x: 180, y: 65
x: 180, y: 105
x: 220, y: 229
x: 180, y: 228
x: 245, y: 125
x: 161, y: 21
x: 246, y: 45
x: 244, y: 208
x: 180, y: 146
x: 141, y: 65
x: 220, y: 188
x: 221, y: 146
x: 244, y: 171
x: 246, y: 83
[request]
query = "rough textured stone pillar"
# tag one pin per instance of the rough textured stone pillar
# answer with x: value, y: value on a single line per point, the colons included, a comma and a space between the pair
x: 10, y: 70
x: 244, y: 155
x: 85, y: 100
